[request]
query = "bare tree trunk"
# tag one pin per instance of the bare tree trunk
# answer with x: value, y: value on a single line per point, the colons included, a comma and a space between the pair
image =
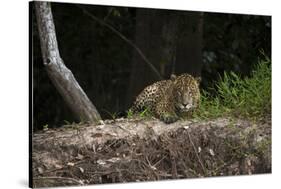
x: 61, y: 76
x: 189, y: 47
x: 147, y: 38
x: 155, y: 35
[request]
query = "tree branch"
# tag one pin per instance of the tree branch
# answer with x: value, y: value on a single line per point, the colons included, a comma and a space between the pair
x: 125, y: 39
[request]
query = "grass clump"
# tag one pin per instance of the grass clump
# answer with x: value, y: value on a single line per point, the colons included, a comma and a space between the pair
x: 248, y: 97
x: 143, y: 114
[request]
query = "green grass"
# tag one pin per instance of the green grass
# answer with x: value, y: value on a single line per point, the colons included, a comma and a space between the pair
x: 143, y: 114
x: 130, y: 114
x: 246, y: 97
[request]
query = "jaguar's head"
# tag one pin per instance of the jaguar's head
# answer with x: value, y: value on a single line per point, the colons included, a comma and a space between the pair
x: 186, y: 92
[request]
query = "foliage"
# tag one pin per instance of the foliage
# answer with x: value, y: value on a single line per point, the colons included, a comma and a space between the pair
x: 130, y: 114
x: 231, y: 43
x: 143, y: 114
x: 248, y: 97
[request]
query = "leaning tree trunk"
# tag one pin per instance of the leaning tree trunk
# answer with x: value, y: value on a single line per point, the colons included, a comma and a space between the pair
x: 61, y: 76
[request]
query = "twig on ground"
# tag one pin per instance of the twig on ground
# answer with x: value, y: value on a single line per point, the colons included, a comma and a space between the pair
x: 194, y: 148
x: 60, y: 178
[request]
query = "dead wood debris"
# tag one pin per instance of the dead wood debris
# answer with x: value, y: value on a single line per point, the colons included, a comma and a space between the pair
x: 146, y: 150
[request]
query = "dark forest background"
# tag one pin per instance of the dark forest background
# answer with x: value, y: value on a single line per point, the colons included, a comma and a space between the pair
x: 112, y: 72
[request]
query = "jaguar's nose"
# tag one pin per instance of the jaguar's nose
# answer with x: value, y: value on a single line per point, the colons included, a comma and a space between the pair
x: 184, y: 104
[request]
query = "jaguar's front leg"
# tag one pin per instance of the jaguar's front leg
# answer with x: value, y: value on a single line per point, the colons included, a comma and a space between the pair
x: 166, y: 113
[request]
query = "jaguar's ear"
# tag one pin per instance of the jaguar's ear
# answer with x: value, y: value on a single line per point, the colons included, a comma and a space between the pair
x: 173, y: 77
x: 198, y: 79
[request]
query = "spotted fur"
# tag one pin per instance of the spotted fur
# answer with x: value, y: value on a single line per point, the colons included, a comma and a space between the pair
x: 170, y: 99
